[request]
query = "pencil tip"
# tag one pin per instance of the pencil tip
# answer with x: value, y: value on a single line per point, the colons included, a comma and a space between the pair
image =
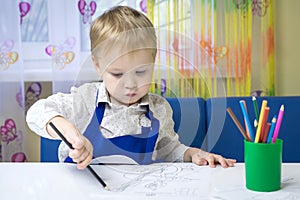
x: 282, y: 107
x: 107, y: 188
x: 253, y: 98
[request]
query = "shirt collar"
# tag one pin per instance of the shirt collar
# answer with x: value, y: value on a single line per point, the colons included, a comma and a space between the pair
x: 103, y: 97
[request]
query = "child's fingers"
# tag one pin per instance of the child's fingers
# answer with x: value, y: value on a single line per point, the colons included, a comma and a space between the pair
x: 223, y: 162
x: 79, y: 155
x: 198, y: 160
x: 82, y: 158
x: 78, y: 142
x: 230, y: 162
x: 202, y: 161
x: 83, y: 164
x: 211, y: 160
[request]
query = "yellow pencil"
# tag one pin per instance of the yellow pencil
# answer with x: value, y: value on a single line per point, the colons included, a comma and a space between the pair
x: 260, y: 121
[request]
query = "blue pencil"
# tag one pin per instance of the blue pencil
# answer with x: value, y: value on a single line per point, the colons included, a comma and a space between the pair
x: 247, y: 120
x: 270, y: 134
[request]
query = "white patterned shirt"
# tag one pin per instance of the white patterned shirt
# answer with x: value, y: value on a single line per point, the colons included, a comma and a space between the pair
x: 79, y: 105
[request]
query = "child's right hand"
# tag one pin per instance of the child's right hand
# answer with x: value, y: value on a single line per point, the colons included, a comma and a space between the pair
x: 83, y: 149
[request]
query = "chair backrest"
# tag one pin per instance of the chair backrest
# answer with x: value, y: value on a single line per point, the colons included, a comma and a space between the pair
x: 49, y: 150
x: 190, y: 120
x: 223, y: 137
x: 207, y: 125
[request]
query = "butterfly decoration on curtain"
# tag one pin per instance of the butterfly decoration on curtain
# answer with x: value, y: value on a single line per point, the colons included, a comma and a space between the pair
x: 143, y: 5
x: 7, y: 56
x: 10, y: 134
x: 87, y: 11
x: 63, y: 54
x: 18, y: 157
x: 259, y: 7
x: 258, y: 93
x: 9, y: 131
x: 163, y: 87
x: 32, y: 94
x: 213, y: 52
x: 24, y: 8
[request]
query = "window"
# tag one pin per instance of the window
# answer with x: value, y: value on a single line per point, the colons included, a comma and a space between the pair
x: 50, y: 22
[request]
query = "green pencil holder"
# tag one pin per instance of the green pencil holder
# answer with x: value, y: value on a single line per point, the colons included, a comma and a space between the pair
x: 263, y: 165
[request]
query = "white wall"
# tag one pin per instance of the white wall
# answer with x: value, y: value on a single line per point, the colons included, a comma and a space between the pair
x: 287, y: 47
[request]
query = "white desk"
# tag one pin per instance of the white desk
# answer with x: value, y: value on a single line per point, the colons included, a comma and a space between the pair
x: 172, y: 181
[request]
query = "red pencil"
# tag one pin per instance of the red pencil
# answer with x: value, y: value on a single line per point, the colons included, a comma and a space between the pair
x: 266, y: 131
x: 264, y: 123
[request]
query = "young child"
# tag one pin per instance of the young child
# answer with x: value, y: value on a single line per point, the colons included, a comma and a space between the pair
x: 117, y: 116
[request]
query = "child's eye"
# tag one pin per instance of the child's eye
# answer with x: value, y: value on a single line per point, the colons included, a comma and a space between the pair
x: 140, y: 71
x: 117, y: 74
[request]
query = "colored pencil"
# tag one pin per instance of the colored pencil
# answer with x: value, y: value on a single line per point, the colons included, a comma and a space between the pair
x: 238, y: 124
x: 246, y: 125
x: 264, y: 123
x: 278, y: 124
x: 247, y: 120
x: 260, y: 121
x: 270, y: 135
x: 255, y: 123
x: 255, y: 106
x: 266, y: 131
x: 71, y: 147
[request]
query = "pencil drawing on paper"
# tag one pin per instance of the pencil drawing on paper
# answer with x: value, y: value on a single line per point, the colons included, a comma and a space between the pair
x: 155, y: 179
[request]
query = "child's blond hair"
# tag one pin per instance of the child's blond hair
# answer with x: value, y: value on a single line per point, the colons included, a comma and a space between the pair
x: 122, y: 28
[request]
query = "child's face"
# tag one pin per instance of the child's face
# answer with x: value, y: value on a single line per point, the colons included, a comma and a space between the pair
x: 128, y: 78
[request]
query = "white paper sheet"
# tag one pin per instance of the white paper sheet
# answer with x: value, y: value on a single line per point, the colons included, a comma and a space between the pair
x: 163, y: 180
x: 114, y: 159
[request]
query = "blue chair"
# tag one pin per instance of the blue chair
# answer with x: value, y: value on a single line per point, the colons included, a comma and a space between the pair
x: 190, y: 122
x: 223, y: 137
x: 49, y: 150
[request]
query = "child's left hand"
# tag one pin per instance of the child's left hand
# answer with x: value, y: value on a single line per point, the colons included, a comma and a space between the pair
x: 199, y: 157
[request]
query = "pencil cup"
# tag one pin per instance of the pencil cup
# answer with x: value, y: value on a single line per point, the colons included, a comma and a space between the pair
x: 263, y: 165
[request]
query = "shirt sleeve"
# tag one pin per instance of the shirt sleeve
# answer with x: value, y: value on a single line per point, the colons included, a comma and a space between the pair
x: 43, y: 110
x: 76, y: 106
x: 169, y: 148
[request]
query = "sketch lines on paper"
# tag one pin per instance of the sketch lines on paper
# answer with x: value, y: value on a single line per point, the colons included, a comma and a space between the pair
x: 160, y: 178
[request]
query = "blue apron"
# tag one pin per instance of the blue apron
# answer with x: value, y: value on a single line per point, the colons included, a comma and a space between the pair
x: 139, y: 147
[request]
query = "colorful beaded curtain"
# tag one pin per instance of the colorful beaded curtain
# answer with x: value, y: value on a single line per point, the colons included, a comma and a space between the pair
x: 210, y: 48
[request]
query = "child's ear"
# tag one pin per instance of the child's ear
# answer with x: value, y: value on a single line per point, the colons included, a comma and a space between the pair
x: 97, y: 65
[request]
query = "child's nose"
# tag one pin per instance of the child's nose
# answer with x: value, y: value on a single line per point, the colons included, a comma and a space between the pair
x: 130, y: 82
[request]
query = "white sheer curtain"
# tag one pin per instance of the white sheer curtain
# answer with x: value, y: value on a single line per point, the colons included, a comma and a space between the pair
x: 11, y: 84
x: 65, y: 37
x: 42, y: 43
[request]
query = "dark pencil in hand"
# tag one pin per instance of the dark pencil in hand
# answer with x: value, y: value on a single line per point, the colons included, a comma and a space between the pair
x: 71, y: 147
